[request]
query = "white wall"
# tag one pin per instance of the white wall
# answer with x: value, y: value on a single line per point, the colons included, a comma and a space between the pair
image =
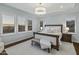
x: 61, y: 19
x: 36, y: 25
x: 16, y: 36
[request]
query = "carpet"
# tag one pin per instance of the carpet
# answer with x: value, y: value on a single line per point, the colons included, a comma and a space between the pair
x: 26, y: 48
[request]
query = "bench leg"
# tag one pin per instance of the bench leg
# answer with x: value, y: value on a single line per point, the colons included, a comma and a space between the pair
x: 32, y: 43
x: 49, y: 50
x: 57, y: 49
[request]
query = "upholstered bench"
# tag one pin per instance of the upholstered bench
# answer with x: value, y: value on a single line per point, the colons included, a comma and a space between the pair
x: 35, y: 40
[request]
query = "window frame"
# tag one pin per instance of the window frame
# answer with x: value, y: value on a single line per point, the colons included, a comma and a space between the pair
x: 20, y: 25
x: 30, y: 26
x: 70, y: 19
x: 3, y: 25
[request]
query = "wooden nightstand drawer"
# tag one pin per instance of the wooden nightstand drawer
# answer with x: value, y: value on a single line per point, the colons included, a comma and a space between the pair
x: 67, y: 38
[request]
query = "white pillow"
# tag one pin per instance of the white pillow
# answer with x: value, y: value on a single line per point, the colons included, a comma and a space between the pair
x: 46, y: 29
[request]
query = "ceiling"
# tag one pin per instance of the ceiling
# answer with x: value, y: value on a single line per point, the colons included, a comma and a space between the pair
x: 50, y: 7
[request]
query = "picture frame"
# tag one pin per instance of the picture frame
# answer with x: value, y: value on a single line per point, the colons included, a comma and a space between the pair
x: 71, y: 24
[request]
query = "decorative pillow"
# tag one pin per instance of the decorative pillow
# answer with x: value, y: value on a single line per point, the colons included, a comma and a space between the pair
x: 46, y: 29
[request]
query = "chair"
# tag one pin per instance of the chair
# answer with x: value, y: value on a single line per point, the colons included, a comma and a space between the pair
x: 1, y: 46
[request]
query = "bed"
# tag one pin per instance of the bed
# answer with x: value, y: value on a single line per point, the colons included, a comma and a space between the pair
x: 55, y: 35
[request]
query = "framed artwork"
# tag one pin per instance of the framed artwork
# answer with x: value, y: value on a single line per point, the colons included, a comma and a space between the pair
x: 71, y: 24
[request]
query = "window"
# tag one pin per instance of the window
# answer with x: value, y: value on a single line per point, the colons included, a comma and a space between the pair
x: 71, y: 25
x: 21, y: 24
x: 21, y: 28
x: 29, y: 25
x: 8, y: 24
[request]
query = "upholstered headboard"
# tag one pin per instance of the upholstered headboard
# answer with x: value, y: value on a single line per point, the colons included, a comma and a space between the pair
x: 56, y: 25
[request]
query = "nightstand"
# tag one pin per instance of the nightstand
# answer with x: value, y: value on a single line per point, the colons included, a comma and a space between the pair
x: 66, y: 37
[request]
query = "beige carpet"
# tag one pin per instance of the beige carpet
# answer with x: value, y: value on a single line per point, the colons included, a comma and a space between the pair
x: 25, y: 48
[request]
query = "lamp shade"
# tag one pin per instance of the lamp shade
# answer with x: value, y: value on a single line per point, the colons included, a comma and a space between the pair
x: 41, y: 28
x: 67, y: 28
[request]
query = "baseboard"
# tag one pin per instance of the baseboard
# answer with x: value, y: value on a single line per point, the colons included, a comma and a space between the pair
x: 75, y: 42
x: 14, y: 43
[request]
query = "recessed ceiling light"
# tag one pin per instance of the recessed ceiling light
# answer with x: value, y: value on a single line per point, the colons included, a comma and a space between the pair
x: 61, y: 6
